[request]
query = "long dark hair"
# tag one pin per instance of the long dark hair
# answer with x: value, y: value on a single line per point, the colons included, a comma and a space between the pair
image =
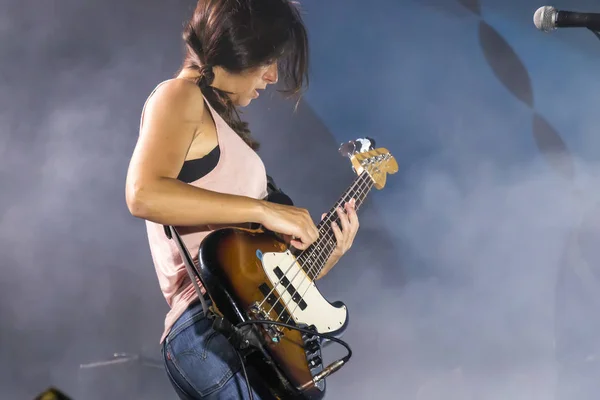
x: 239, y: 35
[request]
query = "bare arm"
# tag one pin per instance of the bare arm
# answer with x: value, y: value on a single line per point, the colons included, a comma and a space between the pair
x: 172, y: 119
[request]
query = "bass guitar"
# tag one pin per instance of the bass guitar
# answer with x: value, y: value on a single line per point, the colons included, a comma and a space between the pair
x: 257, y: 281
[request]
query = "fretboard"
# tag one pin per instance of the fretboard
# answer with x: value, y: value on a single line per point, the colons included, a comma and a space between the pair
x: 313, y: 259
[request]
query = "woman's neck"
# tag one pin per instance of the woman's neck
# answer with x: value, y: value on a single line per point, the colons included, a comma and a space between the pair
x: 219, y: 82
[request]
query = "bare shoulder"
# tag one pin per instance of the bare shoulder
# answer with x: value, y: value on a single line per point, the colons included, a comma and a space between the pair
x: 177, y: 98
x: 172, y: 116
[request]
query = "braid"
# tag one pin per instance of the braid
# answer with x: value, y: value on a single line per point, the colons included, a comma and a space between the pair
x: 222, y: 104
x: 218, y: 99
x: 207, y: 76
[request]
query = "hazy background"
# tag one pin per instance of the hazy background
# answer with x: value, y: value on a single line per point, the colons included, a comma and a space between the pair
x: 475, y: 273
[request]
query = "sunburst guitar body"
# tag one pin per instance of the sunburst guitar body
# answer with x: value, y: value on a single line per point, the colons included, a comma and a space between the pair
x: 252, y: 274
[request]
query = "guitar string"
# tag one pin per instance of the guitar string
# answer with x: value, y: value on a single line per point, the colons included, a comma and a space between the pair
x: 279, y: 282
x: 366, y: 178
x: 357, y: 187
x: 328, y: 239
x: 360, y: 191
x: 328, y: 235
x: 363, y: 192
x: 308, y: 281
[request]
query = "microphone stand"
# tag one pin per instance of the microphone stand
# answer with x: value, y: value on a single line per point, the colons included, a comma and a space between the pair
x: 596, y: 33
x: 121, y: 358
x: 135, y: 381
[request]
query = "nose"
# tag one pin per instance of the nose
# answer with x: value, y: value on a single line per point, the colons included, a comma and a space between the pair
x: 272, y: 75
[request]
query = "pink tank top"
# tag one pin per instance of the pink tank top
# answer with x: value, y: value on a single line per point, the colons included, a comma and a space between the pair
x: 239, y: 171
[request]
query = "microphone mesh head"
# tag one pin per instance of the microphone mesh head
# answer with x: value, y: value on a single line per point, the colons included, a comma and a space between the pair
x: 545, y: 18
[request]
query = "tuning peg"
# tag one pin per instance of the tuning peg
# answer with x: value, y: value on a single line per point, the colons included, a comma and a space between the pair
x: 347, y: 149
x: 353, y: 147
x: 373, y: 145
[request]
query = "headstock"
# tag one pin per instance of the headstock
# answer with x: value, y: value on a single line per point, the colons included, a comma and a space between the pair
x: 352, y: 147
x: 364, y: 157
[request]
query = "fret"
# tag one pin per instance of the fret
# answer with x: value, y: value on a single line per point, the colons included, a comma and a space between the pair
x: 314, y: 258
x: 373, y: 166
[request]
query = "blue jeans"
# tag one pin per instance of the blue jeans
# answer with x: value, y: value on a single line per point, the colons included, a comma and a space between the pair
x: 202, y: 364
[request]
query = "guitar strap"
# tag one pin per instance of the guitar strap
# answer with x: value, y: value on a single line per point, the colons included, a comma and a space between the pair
x: 188, y: 261
x: 273, y: 192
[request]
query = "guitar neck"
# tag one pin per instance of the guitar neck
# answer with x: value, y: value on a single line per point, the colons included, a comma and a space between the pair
x: 358, y: 191
x: 314, y: 258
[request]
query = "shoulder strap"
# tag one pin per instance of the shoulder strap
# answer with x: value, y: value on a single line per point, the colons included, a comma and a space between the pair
x: 275, y: 194
x: 271, y: 186
x: 171, y: 233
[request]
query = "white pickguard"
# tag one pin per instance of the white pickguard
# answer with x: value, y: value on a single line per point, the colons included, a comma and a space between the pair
x: 319, y: 312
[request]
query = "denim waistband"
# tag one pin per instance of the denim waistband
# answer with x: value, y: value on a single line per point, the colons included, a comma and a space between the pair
x: 193, y: 313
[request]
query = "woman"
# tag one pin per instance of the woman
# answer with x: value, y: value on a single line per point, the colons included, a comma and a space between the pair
x: 195, y: 167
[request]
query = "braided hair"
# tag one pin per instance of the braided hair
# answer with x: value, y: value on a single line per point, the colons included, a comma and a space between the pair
x: 238, y: 35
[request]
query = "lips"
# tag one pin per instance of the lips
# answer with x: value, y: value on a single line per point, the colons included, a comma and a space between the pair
x: 256, y: 93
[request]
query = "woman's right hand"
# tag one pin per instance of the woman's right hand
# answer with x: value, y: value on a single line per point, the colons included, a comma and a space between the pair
x: 290, y: 221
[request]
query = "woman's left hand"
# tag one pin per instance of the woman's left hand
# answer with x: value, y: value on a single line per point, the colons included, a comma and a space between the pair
x: 344, y: 235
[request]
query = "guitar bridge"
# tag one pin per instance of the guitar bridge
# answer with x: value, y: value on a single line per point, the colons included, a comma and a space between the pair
x: 274, y: 332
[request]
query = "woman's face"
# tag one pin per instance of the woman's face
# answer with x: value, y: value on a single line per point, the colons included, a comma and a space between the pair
x: 244, y: 86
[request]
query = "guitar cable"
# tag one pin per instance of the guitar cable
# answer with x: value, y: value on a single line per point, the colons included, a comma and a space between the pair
x: 240, y: 341
x: 250, y: 394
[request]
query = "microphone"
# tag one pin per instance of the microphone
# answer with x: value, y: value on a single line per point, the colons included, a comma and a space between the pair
x: 548, y: 18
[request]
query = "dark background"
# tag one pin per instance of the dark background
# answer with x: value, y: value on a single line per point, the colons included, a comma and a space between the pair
x: 474, y: 273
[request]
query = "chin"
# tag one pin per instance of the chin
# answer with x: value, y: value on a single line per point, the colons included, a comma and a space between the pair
x: 244, y: 102
x: 244, y: 99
